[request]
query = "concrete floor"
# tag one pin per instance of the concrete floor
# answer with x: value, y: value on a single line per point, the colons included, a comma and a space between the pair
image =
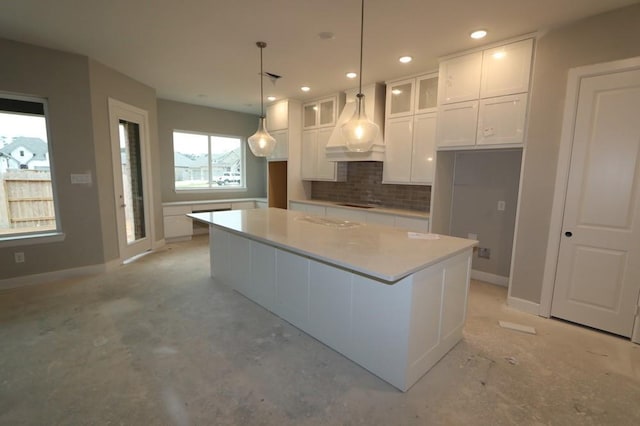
x: 157, y: 342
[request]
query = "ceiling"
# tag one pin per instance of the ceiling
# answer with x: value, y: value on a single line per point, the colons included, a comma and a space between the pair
x: 203, y: 51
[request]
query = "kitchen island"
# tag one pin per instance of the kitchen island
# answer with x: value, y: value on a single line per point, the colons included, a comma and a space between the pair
x: 391, y: 300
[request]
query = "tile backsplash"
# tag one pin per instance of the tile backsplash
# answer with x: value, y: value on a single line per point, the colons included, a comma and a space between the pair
x: 364, y: 185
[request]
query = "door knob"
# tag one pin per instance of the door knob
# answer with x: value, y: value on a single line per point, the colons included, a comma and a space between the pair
x: 568, y: 234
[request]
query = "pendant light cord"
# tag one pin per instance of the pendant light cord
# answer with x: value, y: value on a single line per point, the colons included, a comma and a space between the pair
x: 261, y: 81
x: 361, y: 45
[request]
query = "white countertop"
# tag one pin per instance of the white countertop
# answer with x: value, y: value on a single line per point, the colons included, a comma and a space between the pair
x: 383, y: 252
x: 384, y: 210
x: 220, y: 201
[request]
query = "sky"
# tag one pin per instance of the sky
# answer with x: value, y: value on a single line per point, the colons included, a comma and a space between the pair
x: 12, y: 125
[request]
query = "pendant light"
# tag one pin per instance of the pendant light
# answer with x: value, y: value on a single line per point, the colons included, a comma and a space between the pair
x: 261, y: 142
x: 359, y: 131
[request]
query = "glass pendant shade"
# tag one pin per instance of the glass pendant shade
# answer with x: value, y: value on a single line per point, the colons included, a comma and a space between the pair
x: 359, y: 131
x: 261, y: 142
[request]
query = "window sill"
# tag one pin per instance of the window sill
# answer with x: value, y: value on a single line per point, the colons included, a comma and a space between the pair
x: 212, y: 190
x: 26, y: 240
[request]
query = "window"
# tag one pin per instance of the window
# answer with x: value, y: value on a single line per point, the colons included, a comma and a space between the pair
x: 27, y: 201
x: 208, y: 162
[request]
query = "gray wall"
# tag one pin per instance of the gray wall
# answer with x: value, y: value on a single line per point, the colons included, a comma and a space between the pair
x: 180, y: 116
x: 607, y: 37
x: 77, y: 90
x: 63, y: 79
x: 481, y: 179
x: 106, y: 83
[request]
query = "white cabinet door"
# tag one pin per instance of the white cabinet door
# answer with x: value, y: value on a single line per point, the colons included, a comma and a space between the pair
x: 506, y: 69
x: 325, y: 169
x: 278, y: 116
x: 398, y: 140
x: 501, y: 120
x: 459, y: 78
x: 457, y: 124
x: 424, y: 146
x: 426, y: 97
x: 327, y: 109
x: 308, y: 154
x: 380, y: 218
x: 400, y: 98
x: 309, y: 115
x: 243, y: 205
x: 177, y: 227
x: 346, y: 214
x: 412, y: 224
x: 281, y: 151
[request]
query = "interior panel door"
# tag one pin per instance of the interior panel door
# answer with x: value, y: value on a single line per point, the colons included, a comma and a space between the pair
x: 598, y: 274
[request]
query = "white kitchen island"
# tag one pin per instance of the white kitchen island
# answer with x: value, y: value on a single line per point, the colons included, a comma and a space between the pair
x: 392, y: 301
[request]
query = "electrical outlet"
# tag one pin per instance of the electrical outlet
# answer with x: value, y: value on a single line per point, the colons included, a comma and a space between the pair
x: 484, y: 252
x: 501, y: 206
x: 472, y: 236
x: 19, y: 256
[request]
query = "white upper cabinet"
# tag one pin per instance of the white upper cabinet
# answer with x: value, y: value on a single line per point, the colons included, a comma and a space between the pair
x: 457, y: 124
x: 400, y: 98
x: 459, y: 78
x: 308, y: 155
x: 423, y: 148
x: 501, y: 120
x: 278, y: 116
x: 506, y: 69
x: 281, y: 151
x: 426, y: 97
x: 483, y: 96
x: 325, y: 169
x: 410, y: 130
x: 320, y: 113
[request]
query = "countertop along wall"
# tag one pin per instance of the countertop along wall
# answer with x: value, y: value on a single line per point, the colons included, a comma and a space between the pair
x: 603, y: 38
x: 180, y: 116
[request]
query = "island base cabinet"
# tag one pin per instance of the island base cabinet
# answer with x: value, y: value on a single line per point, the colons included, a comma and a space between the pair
x: 397, y: 331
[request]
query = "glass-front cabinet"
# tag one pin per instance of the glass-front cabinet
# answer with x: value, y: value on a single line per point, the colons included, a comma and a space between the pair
x: 320, y: 113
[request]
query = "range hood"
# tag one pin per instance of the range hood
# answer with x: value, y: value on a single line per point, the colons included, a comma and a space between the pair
x: 374, y: 98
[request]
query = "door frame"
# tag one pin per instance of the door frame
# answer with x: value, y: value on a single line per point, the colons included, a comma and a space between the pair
x: 121, y: 110
x: 562, y: 174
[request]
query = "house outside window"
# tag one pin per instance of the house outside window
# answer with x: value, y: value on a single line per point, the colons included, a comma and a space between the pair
x: 208, y: 162
x: 27, y: 193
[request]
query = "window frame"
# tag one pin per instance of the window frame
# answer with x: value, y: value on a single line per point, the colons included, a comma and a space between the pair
x: 50, y: 235
x: 212, y: 189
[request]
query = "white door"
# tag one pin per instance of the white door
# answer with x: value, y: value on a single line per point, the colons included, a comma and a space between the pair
x: 598, y: 275
x: 129, y: 138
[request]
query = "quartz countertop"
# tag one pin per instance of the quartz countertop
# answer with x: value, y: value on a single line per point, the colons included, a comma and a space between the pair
x: 370, y: 208
x: 383, y: 252
x: 220, y: 201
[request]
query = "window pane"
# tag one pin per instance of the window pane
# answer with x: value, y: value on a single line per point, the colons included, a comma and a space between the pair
x: 226, y: 161
x: 207, y: 162
x: 190, y: 160
x: 26, y: 190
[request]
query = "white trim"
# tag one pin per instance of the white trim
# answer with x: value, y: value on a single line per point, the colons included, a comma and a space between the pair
x: 47, y: 277
x: 562, y: 173
x: 534, y: 35
x: 490, y: 278
x: 32, y: 239
x: 120, y: 110
x: 523, y: 305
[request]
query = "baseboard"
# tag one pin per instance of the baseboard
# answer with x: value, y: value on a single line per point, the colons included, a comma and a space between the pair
x: 490, y: 278
x: 523, y: 305
x: 46, y: 277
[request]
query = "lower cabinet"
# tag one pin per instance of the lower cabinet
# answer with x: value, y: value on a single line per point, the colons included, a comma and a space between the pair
x: 177, y: 226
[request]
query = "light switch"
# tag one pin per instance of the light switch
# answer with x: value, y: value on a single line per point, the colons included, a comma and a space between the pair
x: 501, y: 206
x: 81, y: 178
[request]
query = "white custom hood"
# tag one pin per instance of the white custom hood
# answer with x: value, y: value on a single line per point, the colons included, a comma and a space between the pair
x: 336, y: 149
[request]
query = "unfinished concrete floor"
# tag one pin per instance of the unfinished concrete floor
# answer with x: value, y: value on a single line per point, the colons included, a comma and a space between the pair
x: 157, y: 342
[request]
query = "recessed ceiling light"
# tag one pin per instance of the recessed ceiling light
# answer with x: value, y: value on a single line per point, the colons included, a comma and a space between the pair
x: 478, y: 34
x: 271, y: 98
x: 351, y: 75
x: 405, y: 59
x: 305, y: 88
